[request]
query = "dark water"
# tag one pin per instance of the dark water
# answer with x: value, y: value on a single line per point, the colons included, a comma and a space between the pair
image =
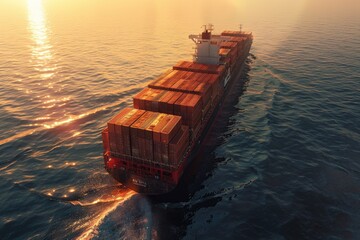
x: 282, y: 160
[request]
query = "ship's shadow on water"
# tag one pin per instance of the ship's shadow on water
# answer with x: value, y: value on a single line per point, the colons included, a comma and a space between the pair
x: 177, y: 207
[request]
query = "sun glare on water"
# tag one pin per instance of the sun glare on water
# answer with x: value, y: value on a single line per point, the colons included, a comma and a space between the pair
x: 41, y: 50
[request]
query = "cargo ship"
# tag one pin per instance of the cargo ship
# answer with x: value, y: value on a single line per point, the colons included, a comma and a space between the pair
x: 147, y: 147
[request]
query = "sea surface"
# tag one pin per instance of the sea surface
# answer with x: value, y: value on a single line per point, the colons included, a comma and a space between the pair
x: 282, y: 160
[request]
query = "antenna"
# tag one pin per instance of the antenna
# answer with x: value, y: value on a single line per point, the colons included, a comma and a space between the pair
x: 208, y: 27
x: 240, y: 27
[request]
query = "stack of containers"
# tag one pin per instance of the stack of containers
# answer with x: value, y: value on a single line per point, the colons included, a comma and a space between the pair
x: 190, y: 83
x: 166, y: 103
x: 236, y: 34
x: 198, y: 67
x: 141, y: 138
x: 234, y: 50
x: 215, y: 76
x: 225, y: 56
x: 146, y: 135
x: 228, y: 45
x: 240, y: 42
x: 119, y: 130
x: 217, y: 87
x: 218, y: 70
x: 162, y: 101
x: 146, y: 99
x: 188, y: 106
x: 166, y: 136
x: 142, y: 135
x: 166, y: 82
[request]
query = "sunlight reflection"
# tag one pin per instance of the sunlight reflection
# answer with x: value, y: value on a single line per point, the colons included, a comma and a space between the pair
x: 76, y: 134
x: 41, y: 51
x: 56, y: 123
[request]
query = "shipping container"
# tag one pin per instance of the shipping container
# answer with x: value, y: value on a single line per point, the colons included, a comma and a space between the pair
x: 246, y: 35
x: 147, y: 99
x: 142, y: 138
x: 111, y: 129
x: 178, y: 146
x: 189, y: 107
x: 171, y: 128
x: 198, y: 67
x: 224, y: 51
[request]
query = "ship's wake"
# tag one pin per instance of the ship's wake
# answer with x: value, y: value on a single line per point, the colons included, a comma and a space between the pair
x: 94, y: 204
x: 103, y: 211
x: 117, y: 195
x: 115, y: 200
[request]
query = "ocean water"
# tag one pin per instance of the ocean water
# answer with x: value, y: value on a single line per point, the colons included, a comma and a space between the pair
x: 282, y: 160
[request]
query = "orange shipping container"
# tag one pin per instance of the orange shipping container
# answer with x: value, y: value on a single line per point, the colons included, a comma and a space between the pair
x: 198, y: 67
x: 141, y: 139
x: 146, y: 98
x: 178, y: 146
x: 125, y: 129
x: 166, y: 104
x: 189, y: 107
x: 118, y: 126
x: 111, y: 128
x: 236, y: 34
x: 171, y: 128
x: 204, y: 90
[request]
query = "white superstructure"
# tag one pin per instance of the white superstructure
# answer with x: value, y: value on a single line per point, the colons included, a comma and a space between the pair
x: 207, y: 46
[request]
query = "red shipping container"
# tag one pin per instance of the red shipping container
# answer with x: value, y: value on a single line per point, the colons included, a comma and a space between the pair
x: 163, y: 101
x: 111, y: 129
x: 145, y: 137
x: 125, y: 128
x: 138, y: 97
x: 147, y: 99
x: 153, y: 136
x: 204, y: 89
x: 171, y: 128
x: 178, y: 146
x: 159, y: 126
x: 166, y: 104
x: 137, y: 135
x: 189, y: 107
